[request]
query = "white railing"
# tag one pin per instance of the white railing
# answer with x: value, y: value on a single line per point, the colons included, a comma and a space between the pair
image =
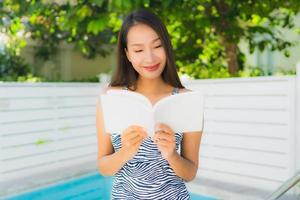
x: 45, y: 126
x: 297, y: 122
x: 249, y: 136
x: 297, y: 118
x: 249, y: 139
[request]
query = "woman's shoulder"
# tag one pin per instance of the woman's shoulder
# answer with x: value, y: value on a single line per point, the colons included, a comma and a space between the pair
x: 104, y: 89
x: 182, y: 90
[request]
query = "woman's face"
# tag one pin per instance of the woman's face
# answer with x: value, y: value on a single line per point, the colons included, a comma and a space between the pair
x: 145, y: 51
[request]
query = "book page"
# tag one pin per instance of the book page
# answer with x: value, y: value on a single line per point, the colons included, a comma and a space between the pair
x: 183, y: 112
x: 130, y: 94
x: 121, y: 110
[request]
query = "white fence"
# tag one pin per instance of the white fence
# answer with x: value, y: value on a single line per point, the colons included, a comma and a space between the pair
x: 45, y: 126
x: 250, y: 131
x: 249, y: 138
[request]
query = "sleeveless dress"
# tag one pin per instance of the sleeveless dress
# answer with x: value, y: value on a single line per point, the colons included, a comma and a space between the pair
x: 148, y: 175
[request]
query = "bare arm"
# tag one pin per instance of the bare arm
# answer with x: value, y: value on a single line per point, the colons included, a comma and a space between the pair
x: 110, y: 162
x: 186, y: 164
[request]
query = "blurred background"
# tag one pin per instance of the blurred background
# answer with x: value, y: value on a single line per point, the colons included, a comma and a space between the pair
x: 74, y: 40
x: 242, y: 54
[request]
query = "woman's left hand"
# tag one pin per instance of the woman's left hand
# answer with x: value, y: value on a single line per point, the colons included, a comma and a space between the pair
x: 165, y: 139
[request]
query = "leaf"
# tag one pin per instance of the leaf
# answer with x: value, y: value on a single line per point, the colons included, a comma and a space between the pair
x: 98, y: 2
x: 42, y: 141
x: 287, y: 54
x: 167, y: 3
x: 117, y: 3
x: 146, y: 3
x: 98, y: 25
x: 83, y: 12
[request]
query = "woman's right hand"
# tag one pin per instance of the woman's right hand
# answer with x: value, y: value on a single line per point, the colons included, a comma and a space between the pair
x: 131, y: 139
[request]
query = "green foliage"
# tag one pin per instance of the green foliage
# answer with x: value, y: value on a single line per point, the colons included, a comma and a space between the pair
x: 94, y: 79
x: 284, y: 72
x: 204, y: 33
x: 251, y: 71
x: 11, y: 65
x: 197, y: 25
x: 30, y: 78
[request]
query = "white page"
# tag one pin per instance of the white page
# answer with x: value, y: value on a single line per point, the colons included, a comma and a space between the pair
x: 183, y: 112
x: 130, y: 94
x: 121, y: 110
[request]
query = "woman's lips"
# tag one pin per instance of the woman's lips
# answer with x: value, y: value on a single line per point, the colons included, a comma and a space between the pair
x: 152, y: 68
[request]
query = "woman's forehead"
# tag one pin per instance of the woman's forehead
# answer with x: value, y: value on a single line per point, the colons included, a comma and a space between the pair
x: 141, y: 34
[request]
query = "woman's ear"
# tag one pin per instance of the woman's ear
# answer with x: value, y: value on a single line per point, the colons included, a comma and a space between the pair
x: 126, y: 52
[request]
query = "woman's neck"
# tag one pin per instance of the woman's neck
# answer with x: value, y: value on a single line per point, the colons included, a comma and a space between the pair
x: 152, y: 86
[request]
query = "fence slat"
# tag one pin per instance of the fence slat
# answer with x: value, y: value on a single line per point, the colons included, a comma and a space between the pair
x: 247, y: 125
x: 297, y: 120
x: 46, y: 126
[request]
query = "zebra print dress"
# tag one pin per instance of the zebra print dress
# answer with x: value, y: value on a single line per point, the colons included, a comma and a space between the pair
x: 148, y: 175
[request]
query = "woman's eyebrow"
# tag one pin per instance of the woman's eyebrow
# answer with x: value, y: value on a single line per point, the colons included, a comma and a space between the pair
x: 137, y: 44
x: 156, y: 39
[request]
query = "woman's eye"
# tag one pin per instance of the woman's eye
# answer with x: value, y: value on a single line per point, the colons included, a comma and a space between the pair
x: 137, y: 51
x: 158, y: 46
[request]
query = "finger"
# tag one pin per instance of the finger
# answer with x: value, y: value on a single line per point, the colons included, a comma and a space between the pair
x: 165, y: 144
x: 129, y: 135
x: 141, y: 130
x: 142, y: 134
x: 165, y: 136
x: 164, y: 127
x: 136, y: 141
x: 157, y: 135
x: 128, y: 142
x: 133, y: 128
x: 132, y: 141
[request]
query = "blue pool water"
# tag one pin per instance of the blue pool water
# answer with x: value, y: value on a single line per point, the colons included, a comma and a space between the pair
x: 90, y: 187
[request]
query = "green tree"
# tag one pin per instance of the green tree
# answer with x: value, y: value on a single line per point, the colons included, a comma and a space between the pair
x: 205, y: 33
x: 209, y: 31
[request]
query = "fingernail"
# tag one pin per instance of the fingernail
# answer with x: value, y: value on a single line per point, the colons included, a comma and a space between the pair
x: 157, y: 126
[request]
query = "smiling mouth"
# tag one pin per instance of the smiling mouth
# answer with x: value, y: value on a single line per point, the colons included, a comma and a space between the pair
x: 152, y: 68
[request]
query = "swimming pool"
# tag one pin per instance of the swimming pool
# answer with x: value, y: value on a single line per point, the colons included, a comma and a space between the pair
x: 89, y: 187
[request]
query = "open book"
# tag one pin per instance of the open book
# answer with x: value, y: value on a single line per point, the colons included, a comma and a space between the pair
x: 182, y: 112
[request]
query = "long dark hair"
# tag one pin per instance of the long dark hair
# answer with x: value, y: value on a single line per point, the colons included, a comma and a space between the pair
x: 125, y: 74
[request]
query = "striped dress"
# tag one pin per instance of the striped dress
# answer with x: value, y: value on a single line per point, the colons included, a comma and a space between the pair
x: 148, y: 175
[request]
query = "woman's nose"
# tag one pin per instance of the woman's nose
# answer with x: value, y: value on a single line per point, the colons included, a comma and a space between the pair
x: 149, y: 56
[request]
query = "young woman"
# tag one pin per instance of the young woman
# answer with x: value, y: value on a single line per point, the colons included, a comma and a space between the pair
x: 144, y: 167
